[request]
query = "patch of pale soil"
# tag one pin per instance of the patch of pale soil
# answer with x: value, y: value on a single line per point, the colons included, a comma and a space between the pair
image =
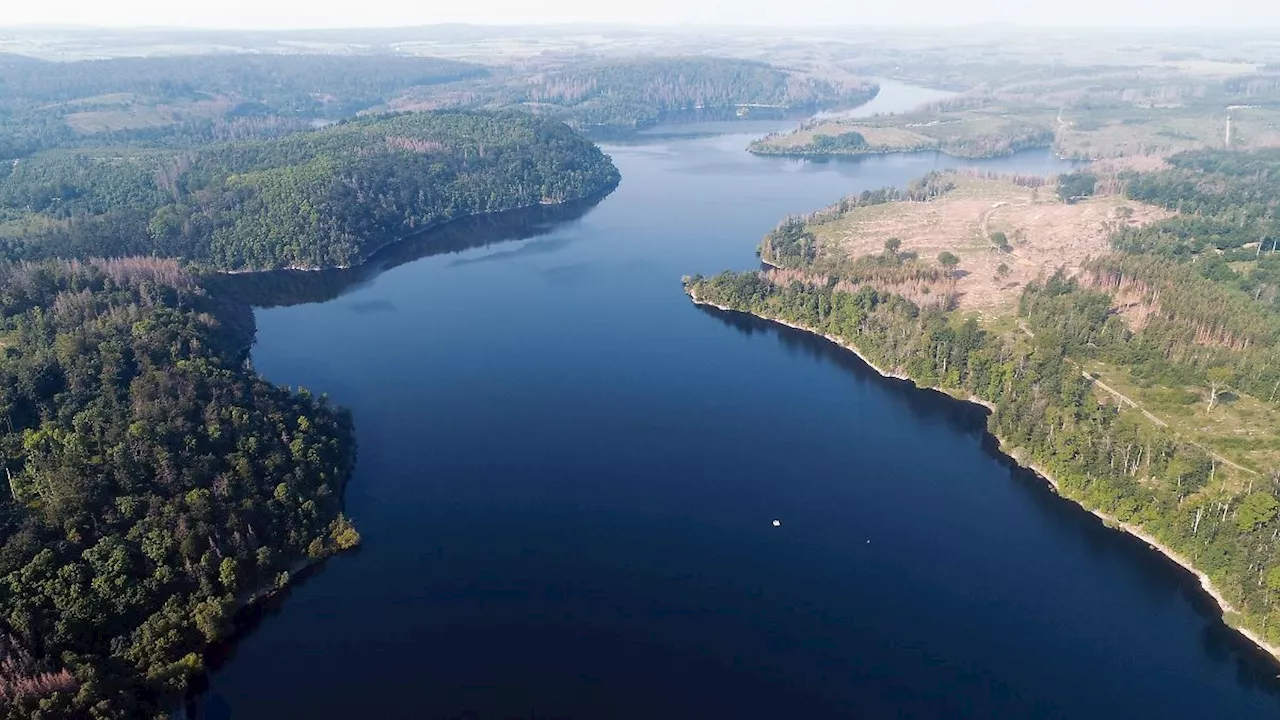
x: 1045, y: 235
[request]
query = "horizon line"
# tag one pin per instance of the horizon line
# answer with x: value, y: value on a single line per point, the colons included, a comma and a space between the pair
x: 589, y: 24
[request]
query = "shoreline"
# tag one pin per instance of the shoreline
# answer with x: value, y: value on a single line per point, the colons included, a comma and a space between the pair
x: 882, y: 151
x: 1206, y: 584
x: 367, y: 257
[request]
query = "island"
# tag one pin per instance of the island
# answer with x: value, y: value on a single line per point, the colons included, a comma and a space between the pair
x: 1121, y: 328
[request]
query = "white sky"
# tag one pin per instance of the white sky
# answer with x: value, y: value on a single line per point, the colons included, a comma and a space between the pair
x: 389, y: 13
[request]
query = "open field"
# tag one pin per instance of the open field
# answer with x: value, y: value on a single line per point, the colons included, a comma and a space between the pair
x: 128, y: 118
x: 1045, y: 234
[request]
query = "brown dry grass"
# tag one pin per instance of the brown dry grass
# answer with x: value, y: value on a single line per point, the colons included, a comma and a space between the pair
x: 1045, y: 233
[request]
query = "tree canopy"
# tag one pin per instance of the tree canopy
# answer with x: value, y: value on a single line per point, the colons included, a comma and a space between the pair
x: 153, y: 484
x: 326, y: 198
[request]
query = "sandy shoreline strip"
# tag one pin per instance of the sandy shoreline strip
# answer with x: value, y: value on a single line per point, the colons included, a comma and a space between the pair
x: 1205, y: 583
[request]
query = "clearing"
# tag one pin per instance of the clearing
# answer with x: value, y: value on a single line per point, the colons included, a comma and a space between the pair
x: 1240, y: 429
x: 1044, y: 234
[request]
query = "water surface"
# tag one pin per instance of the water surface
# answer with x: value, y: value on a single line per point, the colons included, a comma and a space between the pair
x: 568, y: 476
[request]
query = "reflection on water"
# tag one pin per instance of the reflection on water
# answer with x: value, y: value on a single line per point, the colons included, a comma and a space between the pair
x: 279, y: 288
x: 924, y: 403
x: 1254, y: 669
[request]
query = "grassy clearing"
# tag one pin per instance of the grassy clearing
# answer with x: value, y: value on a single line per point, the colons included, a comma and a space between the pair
x: 130, y: 118
x: 120, y: 99
x: 141, y: 114
x: 23, y: 223
x: 1240, y: 428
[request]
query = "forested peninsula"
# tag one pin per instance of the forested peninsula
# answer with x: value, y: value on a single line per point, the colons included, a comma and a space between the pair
x: 324, y: 198
x: 877, y: 136
x: 1180, y: 313
x: 154, y: 484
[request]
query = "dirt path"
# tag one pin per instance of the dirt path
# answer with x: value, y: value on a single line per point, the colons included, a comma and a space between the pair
x: 1126, y: 400
x: 1129, y: 401
x: 984, y: 222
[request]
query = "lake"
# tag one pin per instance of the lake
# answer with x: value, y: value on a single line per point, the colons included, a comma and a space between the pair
x: 568, y: 476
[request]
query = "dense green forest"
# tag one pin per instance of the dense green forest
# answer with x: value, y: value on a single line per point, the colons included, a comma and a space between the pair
x: 324, y: 198
x: 184, y: 101
x: 1208, y: 321
x: 153, y: 483
x: 639, y: 93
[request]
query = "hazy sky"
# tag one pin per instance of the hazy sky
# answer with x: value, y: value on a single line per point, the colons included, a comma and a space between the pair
x: 387, y: 13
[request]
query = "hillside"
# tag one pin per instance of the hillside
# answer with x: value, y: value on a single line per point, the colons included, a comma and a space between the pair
x: 325, y: 198
x: 626, y: 94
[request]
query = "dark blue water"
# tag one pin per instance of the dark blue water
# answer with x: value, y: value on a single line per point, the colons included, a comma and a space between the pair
x: 568, y: 473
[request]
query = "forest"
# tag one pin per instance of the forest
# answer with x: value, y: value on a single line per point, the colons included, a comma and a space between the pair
x: 1189, y: 301
x: 153, y: 484
x: 639, y: 93
x: 322, y: 198
x: 185, y: 101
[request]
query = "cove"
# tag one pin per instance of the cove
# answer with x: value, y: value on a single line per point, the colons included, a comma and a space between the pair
x: 568, y: 473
